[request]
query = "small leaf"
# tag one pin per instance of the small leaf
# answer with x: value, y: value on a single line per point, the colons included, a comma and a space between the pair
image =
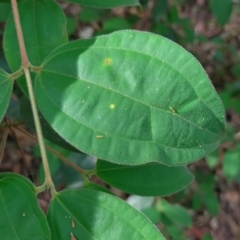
x: 133, y: 102
x: 221, y: 10
x: 88, y: 214
x: 151, y: 179
x: 88, y: 15
x: 211, y: 202
x: 106, y: 3
x: 20, y: 214
x: 160, y: 10
x: 44, y: 28
x: 231, y: 163
x: 176, y: 213
x: 6, y: 85
x: 212, y: 159
x: 152, y: 214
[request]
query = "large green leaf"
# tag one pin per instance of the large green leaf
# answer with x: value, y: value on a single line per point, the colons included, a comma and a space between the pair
x: 151, y: 179
x: 44, y: 29
x: 6, y: 85
x: 89, y: 214
x: 20, y: 214
x: 221, y: 10
x: 106, y: 3
x: 131, y: 97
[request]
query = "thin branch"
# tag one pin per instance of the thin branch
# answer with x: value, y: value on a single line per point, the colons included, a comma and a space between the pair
x: 48, y: 178
x: 65, y: 160
x: 9, y: 122
x: 3, y: 143
x: 21, y: 43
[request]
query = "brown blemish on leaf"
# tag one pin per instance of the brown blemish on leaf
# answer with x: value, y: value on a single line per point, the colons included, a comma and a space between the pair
x: 99, y: 136
x: 171, y: 108
x: 108, y: 61
x: 73, y: 237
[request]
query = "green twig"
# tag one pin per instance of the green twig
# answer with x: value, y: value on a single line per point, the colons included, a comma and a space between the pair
x: 25, y: 67
x: 61, y: 157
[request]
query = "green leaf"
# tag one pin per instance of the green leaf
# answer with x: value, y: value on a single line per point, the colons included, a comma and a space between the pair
x: 176, y: 213
x: 88, y: 214
x: 8, y: 1
x: 6, y: 85
x: 5, y: 10
x: 20, y: 215
x: 131, y: 102
x: 116, y: 23
x: 44, y: 29
x: 89, y: 15
x: 160, y: 10
x: 71, y: 25
x: 221, y: 10
x: 152, y: 214
x: 106, y: 3
x: 211, y: 202
x: 231, y: 163
x: 207, y: 236
x: 151, y: 179
x: 97, y: 187
x: 212, y: 159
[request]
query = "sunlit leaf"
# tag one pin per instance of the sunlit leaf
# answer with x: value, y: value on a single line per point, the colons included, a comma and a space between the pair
x: 89, y: 214
x: 133, y: 102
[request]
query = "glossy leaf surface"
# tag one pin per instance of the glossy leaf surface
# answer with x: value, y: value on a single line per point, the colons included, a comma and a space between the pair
x: 131, y: 97
x: 89, y: 214
x: 44, y: 29
x: 6, y: 85
x: 151, y: 179
x: 20, y: 215
x: 106, y: 3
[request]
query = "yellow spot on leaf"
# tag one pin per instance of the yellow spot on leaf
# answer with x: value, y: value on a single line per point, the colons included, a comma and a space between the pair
x: 73, y: 224
x: 99, y: 136
x: 172, y: 110
x: 112, y: 106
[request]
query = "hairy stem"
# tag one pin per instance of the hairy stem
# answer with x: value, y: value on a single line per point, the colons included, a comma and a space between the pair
x: 25, y: 65
x: 21, y: 43
x: 48, y: 179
